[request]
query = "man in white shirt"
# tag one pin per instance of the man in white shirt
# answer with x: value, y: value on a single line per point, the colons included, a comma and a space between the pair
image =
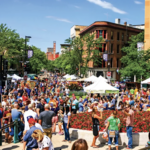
x: 29, y: 114
x: 67, y: 91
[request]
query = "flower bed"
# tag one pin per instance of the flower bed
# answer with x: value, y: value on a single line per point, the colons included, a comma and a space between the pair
x: 84, y: 121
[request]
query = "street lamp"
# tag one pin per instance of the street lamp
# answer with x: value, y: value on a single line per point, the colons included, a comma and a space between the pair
x: 108, y: 52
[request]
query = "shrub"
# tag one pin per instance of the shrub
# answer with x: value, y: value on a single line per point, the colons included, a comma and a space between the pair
x: 84, y: 121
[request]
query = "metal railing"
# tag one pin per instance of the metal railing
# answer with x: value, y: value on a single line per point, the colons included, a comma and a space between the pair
x: 16, y: 126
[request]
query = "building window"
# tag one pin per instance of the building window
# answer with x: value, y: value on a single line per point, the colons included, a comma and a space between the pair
x: 112, y: 35
x: 118, y: 36
x: 111, y: 48
x: 111, y: 62
x: 117, y: 48
x: 117, y: 62
x: 100, y: 33
x: 100, y: 49
x: 122, y: 36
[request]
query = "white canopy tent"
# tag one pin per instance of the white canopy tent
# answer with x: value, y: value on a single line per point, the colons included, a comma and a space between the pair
x: 147, y: 81
x: 100, y: 78
x: 66, y: 76
x: 71, y: 77
x: 91, y: 79
x: 15, y: 77
x: 100, y: 87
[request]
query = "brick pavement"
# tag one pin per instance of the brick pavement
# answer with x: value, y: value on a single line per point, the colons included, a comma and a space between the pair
x: 59, y: 145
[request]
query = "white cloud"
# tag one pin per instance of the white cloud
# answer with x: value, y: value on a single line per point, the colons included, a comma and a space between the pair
x: 137, y: 2
x: 107, y: 5
x: 59, y: 19
x: 77, y: 7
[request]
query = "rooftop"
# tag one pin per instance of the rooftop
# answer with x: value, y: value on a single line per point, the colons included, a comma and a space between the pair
x: 112, y: 25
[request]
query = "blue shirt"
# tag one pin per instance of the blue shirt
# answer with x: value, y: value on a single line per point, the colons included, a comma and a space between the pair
x: 105, y: 105
x: 80, y: 107
x: 74, y: 102
x: 113, y: 103
x: 1, y: 115
x: 31, y: 143
x: 47, y: 100
x: 28, y: 91
x: 85, y: 100
x: 26, y: 108
x: 15, y: 114
x: 131, y: 102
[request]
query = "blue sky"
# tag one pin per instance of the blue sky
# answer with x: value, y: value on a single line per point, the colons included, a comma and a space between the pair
x: 50, y: 20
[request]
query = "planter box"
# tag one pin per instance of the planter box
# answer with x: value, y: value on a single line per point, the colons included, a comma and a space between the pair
x: 139, y: 139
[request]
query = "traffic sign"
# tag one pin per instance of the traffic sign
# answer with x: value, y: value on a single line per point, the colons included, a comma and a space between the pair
x: 25, y: 77
x: 109, y: 74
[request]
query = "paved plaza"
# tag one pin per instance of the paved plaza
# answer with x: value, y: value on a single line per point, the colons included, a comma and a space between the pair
x: 59, y: 145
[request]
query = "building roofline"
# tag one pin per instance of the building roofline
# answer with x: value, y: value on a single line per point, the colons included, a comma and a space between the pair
x: 107, y: 23
x: 79, y: 25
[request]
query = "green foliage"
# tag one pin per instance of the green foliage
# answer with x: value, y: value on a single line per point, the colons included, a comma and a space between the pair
x: 135, y: 62
x: 75, y: 87
x: 10, y: 45
x: 80, y: 93
x: 39, y: 60
x: 72, y: 61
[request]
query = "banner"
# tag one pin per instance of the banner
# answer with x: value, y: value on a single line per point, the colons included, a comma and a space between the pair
x: 30, y: 53
x: 112, y: 91
x: 105, y: 57
x: 140, y: 46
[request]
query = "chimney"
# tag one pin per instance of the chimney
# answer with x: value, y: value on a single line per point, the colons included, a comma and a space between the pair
x: 125, y: 23
x: 117, y: 21
x: 54, y: 49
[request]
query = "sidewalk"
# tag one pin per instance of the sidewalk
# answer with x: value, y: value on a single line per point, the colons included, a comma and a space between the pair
x: 59, y: 145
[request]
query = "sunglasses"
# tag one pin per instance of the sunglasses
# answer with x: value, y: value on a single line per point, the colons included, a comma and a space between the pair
x: 35, y: 132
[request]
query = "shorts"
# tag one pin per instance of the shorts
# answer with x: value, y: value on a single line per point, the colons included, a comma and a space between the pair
x: 12, y: 132
x: 60, y: 123
x: 48, y: 132
x: 6, y: 129
x: 55, y: 119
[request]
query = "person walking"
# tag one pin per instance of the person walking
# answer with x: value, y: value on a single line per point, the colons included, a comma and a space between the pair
x: 95, y: 120
x: 30, y: 142
x: 113, y: 126
x: 45, y: 119
x: 129, y: 124
x: 29, y: 114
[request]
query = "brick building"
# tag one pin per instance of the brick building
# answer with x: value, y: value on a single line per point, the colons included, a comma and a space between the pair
x: 51, y: 52
x: 115, y: 37
x: 147, y: 25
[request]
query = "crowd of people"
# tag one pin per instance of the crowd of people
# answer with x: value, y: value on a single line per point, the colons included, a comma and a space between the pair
x: 41, y: 108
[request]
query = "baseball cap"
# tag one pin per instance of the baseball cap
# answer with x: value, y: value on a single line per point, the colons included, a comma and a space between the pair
x: 29, y: 117
x: 31, y: 121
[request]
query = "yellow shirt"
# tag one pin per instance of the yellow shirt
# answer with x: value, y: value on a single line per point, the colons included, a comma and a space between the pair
x: 135, y: 91
x: 148, y: 109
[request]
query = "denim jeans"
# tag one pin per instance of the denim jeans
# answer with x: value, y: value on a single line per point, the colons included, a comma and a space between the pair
x: 115, y: 138
x: 129, y: 135
x: 67, y: 136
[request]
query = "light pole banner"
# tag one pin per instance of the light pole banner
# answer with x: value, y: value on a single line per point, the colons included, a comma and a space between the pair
x: 105, y: 57
x: 140, y: 46
x: 30, y: 53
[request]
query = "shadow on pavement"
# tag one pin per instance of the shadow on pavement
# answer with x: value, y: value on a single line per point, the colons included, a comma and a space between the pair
x: 10, y: 148
x: 62, y: 147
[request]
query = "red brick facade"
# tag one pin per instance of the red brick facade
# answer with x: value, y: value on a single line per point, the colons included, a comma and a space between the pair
x: 51, y: 53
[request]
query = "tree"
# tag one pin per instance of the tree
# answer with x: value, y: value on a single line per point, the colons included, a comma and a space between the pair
x: 85, y: 49
x: 38, y: 61
x: 91, y: 50
x: 135, y: 62
x: 10, y: 45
